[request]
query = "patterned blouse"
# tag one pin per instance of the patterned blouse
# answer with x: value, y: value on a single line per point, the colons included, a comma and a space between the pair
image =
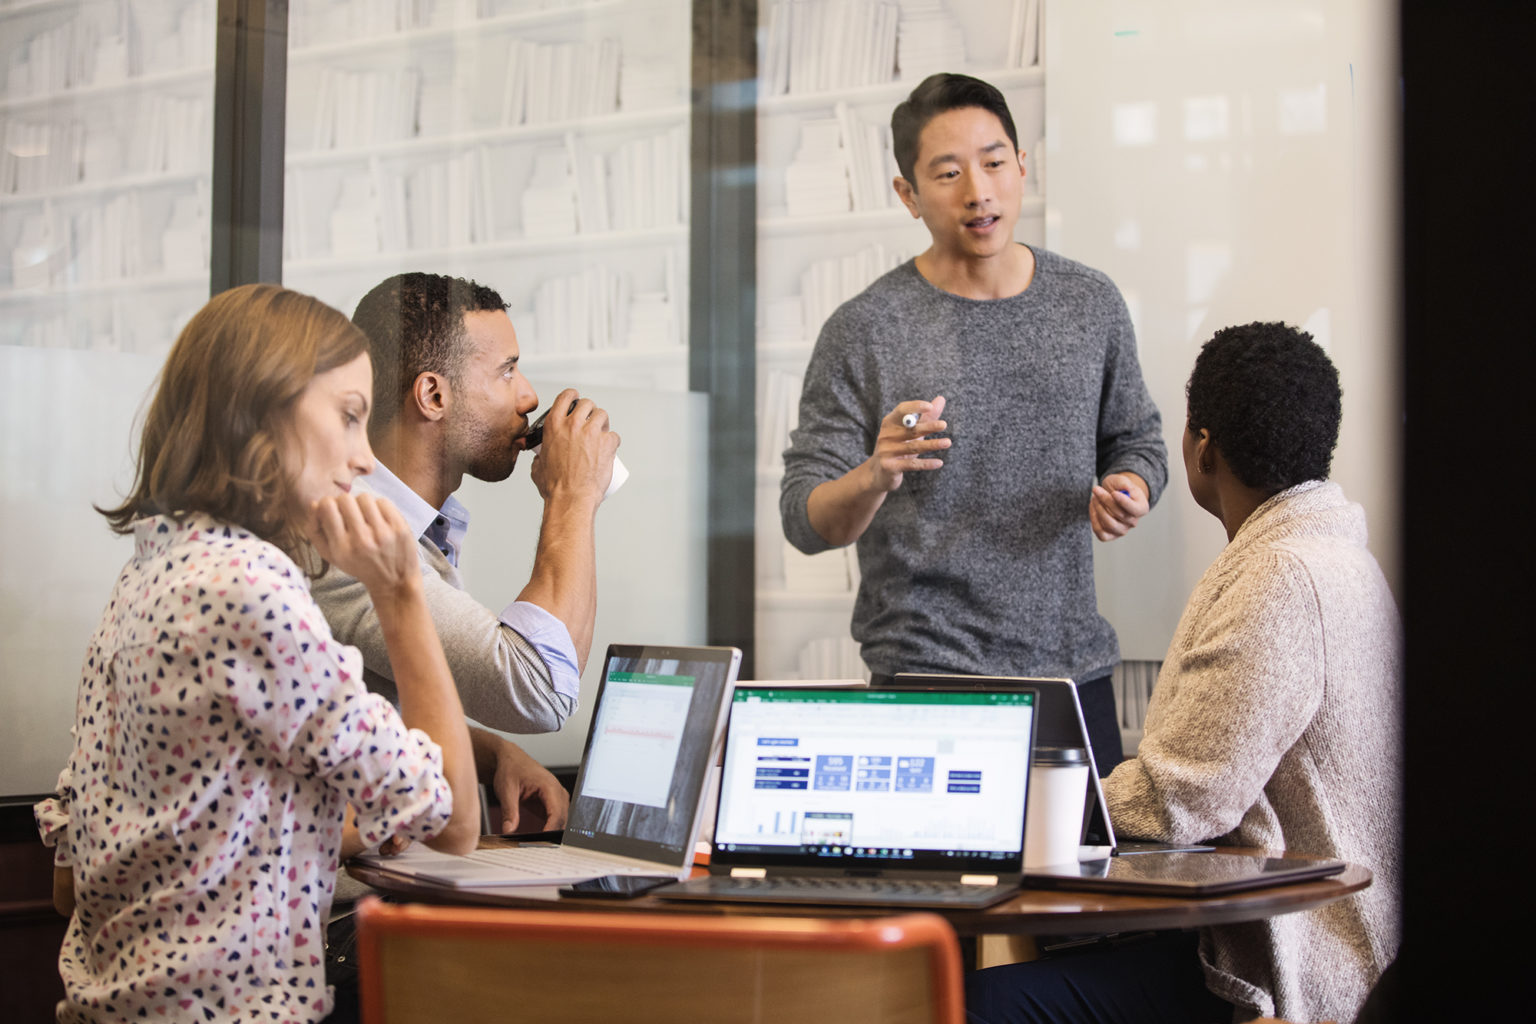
x: 219, y: 734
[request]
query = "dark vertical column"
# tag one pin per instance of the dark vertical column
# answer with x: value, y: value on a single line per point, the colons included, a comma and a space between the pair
x: 1468, y: 102
x: 722, y: 308
x: 249, y: 114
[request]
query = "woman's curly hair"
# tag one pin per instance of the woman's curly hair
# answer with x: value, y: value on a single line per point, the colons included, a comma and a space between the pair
x: 214, y: 432
x: 1270, y: 397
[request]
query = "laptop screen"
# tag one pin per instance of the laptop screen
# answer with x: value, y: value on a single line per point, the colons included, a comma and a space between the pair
x: 658, y: 715
x: 847, y: 779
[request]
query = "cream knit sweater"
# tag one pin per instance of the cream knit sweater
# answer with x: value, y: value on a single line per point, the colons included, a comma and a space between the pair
x: 1276, y: 723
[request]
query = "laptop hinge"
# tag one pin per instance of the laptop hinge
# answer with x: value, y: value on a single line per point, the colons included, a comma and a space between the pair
x: 749, y: 872
x: 978, y: 879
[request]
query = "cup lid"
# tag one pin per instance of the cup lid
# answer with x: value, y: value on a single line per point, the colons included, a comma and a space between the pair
x: 1061, y: 755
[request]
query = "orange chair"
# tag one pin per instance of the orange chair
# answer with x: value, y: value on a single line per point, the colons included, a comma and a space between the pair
x: 468, y: 964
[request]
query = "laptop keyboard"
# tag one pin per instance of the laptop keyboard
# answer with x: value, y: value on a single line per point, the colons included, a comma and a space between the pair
x: 889, y: 891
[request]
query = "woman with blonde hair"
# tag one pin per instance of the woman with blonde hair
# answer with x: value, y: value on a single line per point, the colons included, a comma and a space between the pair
x: 226, y: 754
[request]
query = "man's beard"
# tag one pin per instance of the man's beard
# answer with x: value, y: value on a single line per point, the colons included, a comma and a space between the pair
x: 492, y: 456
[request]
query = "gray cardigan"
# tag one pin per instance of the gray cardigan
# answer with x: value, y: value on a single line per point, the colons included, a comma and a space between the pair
x: 1276, y: 723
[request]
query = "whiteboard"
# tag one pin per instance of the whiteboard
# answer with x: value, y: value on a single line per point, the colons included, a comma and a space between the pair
x: 1223, y: 163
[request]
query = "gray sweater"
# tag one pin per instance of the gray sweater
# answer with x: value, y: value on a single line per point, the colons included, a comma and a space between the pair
x: 1276, y: 723
x: 986, y: 565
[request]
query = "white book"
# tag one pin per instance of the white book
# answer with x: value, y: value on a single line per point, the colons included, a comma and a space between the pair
x: 1029, y: 47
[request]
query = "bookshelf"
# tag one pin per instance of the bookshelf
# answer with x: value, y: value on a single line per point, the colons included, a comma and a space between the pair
x: 829, y: 223
x: 106, y: 119
x: 538, y: 146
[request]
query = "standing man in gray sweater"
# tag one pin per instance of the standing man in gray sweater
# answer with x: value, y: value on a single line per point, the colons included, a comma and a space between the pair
x: 972, y: 509
x: 449, y: 399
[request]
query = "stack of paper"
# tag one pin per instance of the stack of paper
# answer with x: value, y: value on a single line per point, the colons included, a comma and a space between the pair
x: 778, y: 414
x: 170, y: 36
x: 446, y: 203
x: 364, y: 108
x: 184, y: 242
x: 648, y: 182
x: 390, y: 194
x: 781, y: 321
x: 296, y: 242
x: 653, y: 322
x: 584, y: 312
x: 827, y: 284
x: 832, y: 657
x: 547, y: 82
x: 40, y: 155
x: 443, y: 204
x: 591, y: 180
x: 649, y: 85
x: 171, y: 134
x: 318, y: 22
x: 816, y: 181
x: 52, y: 60
x: 106, y: 242
x: 598, y: 310
x: 37, y: 255
x: 817, y: 47
x: 871, y: 162
x: 930, y: 39
x: 355, y: 218
x: 1024, y: 34
x: 549, y: 207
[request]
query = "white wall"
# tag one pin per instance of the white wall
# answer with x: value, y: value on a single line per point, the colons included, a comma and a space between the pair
x: 1225, y: 163
x: 64, y: 444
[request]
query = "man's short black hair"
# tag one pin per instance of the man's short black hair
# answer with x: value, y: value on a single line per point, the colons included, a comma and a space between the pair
x: 415, y: 324
x: 933, y: 96
x: 1270, y: 397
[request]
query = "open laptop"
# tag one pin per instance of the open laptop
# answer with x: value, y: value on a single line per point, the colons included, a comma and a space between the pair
x: 656, y: 727
x: 1061, y: 724
x: 878, y: 797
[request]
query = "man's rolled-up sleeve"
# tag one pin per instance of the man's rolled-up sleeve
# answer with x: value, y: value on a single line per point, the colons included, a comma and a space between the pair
x: 503, y: 679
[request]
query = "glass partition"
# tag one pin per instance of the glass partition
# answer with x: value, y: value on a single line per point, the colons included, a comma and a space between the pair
x: 106, y: 114
x: 541, y: 148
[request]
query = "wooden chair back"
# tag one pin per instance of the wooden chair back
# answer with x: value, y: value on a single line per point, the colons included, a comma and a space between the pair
x: 469, y: 964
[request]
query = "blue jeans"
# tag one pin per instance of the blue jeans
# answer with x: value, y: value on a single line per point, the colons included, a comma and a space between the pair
x: 1155, y: 979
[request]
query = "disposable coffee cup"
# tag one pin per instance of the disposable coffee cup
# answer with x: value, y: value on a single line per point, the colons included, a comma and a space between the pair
x: 1053, y: 825
x: 620, y: 473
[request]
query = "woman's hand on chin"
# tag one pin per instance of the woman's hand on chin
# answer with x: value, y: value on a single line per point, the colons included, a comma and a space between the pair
x: 366, y: 537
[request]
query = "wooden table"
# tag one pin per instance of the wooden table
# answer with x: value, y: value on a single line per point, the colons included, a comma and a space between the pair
x: 1030, y: 912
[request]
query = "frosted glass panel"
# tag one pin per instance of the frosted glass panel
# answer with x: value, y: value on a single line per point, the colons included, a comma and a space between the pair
x: 106, y: 113
x: 540, y: 147
x: 1225, y: 163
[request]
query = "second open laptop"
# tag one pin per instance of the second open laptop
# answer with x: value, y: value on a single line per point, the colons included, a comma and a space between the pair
x: 877, y: 797
x: 656, y: 728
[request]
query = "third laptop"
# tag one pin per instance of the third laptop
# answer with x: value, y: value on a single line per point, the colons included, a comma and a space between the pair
x: 881, y: 797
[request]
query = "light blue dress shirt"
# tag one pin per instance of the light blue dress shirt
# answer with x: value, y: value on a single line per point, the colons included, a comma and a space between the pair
x: 445, y: 528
